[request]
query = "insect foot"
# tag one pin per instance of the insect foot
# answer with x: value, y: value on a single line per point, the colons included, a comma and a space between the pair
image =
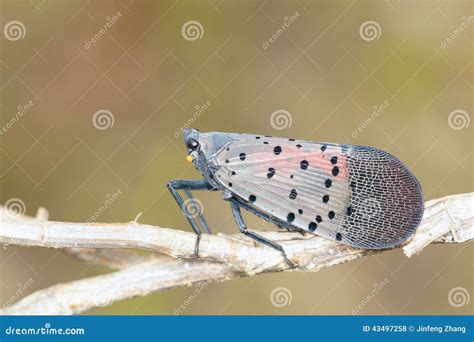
x: 288, y: 261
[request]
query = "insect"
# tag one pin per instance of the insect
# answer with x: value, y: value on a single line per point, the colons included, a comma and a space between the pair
x: 356, y: 195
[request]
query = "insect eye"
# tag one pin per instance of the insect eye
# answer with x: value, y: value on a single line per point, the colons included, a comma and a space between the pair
x: 193, y: 144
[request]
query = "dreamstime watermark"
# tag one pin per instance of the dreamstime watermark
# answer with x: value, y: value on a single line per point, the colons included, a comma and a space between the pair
x: 458, y: 297
x: 20, y: 289
x: 109, y: 22
x: 452, y: 37
x: 21, y: 110
x: 198, y: 111
x: 15, y: 207
x: 377, y: 110
x: 287, y: 21
x: 103, y: 119
x: 14, y: 30
x: 110, y: 199
x: 46, y: 330
x: 459, y: 119
x: 192, y: 208
x: 376, y: 288
x: 370, y: 30
x: 197, y: 291
x: 280, y: 297
x: 192, y: 30
x: 281, y: 119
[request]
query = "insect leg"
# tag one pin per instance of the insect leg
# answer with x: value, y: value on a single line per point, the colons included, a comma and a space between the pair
x: 201, y: 219
x: 235, y: 206
x: 271, y: 219
x: 189, y: 184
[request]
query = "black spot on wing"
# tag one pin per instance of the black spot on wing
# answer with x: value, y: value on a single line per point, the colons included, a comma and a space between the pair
x: 277, y: 150
x: 252, y: 198
x: 291, y: 217
x: 242, y: 156
x: 304, y: 164
x: 293, y: 194
x: 271, y: 172
x: 312, y: 226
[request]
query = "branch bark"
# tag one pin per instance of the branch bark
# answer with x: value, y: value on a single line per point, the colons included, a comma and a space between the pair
x: 222, y: 257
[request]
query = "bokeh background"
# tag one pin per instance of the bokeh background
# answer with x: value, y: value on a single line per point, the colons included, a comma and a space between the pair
x: 146, y: 76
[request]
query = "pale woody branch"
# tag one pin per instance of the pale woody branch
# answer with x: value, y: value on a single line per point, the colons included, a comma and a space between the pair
x: 446, y: 220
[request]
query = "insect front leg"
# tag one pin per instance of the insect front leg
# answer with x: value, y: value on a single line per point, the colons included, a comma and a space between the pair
x: 235, y: 206
x: 187, y: 185
x: 200, y: 217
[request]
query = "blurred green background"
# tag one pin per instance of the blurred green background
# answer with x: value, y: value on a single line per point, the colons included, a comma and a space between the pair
x: 149, y: 74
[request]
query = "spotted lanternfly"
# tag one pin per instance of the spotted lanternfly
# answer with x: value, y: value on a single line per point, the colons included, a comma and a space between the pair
x: 357, y: 195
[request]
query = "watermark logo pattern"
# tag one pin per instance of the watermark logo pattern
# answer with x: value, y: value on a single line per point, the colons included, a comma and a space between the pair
x: 103, y: 119
x: 192, y: 208
x: 15, y: 207
x: 281, y: 119
x: 280, y: 297
x: 192, y: 30
x: 14, y: 30
x: 370, y: 30
x: 459, y: 119
x: 459, y: 297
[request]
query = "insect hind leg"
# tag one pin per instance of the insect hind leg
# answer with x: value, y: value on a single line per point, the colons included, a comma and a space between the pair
x: 291, y: 229
x: 235, y: 206
x: 271, y: 219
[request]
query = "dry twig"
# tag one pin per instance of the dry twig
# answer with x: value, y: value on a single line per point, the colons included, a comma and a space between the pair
x: 222, y: 257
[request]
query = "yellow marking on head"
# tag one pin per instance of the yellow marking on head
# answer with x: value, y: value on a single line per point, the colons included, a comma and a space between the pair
x: 189, y: 158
